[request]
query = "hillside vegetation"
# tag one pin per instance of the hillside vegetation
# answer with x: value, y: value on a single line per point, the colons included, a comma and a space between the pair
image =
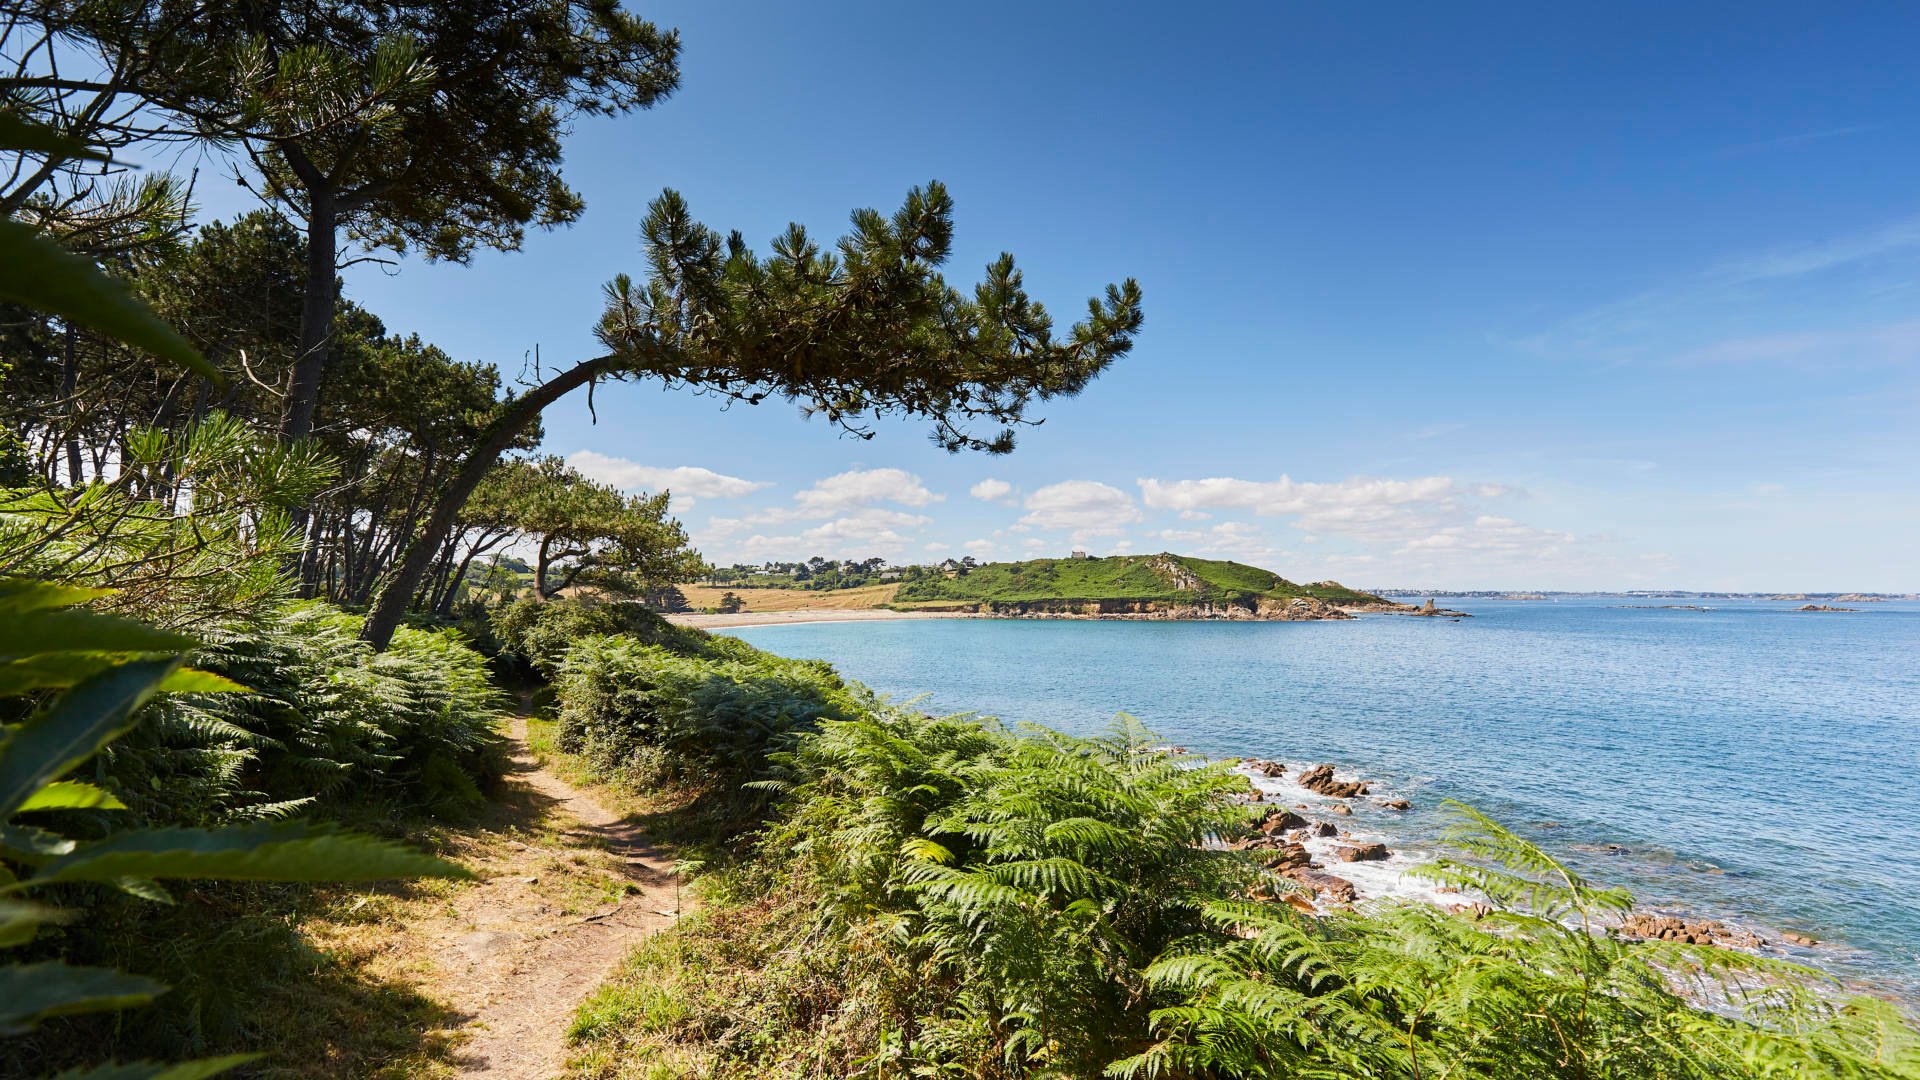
x: 1164, y: 577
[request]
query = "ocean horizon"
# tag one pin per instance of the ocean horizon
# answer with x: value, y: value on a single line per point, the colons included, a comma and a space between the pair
x: 1737, y: 760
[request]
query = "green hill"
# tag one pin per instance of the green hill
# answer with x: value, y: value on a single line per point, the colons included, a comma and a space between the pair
x: 1163, y: 578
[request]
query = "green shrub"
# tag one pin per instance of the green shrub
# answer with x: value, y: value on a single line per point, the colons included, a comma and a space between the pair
x: 1022, y: 883
x: 1537, y: 987
x: 328, y: 718
x: 534, y: 635
x: 649, y: 715
x: 93, y: 673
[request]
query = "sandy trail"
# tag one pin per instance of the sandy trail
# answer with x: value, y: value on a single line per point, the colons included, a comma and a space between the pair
x: 517, y: 971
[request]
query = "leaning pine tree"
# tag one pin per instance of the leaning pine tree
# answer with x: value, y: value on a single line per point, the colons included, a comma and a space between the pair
x: 869, y: 331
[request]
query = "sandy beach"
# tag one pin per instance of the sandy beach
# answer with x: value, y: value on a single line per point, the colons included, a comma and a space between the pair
x: 819, y: 615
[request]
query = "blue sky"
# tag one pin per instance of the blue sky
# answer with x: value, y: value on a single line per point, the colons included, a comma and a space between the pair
x: 1451, y: 295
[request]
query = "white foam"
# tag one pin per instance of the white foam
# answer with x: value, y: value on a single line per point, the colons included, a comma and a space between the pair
x: 1387, y: 878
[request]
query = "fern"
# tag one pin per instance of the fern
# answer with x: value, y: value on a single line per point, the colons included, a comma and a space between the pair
x: 36, y: 758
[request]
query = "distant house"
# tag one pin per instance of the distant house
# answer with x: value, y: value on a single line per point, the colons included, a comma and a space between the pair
x: 1077, y: 554
x: 891, y: 574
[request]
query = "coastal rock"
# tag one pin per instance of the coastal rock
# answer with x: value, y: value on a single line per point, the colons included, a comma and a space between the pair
x: 1361, y: 853
x: 1326, y: 886
x: 1688, y: 931
x: 1340, y: 808
x: 1280, y: 821
x: 1319, y: 779
x: 1475, y: 910
x: 1393, y: 804
x: 1288, y: 857
x: 1823, y: 607
x: 1322, y: 828
x: 1264, y: 767
x: 1797, y: 938
x: 1433, y: 610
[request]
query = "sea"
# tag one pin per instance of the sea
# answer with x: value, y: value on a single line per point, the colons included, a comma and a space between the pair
x: 1747, y: 762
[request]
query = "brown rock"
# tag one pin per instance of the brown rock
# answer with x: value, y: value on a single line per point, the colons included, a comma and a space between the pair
x: 1319, y: 779
x: 1393, y: 804
x: 1798, y: 938
x: 1361, y: 853
x: 1340, y: 808
x: 1321, y: 828
x: 1281, y: 821
x: 1288, y: 857
x: 1326, y: 886
x: 1263, y: 767
x: 1687, y: 931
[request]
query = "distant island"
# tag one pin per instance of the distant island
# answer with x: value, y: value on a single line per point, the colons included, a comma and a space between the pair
x: 1163, y: 586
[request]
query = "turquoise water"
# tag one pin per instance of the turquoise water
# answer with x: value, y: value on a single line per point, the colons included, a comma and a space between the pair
x: 1748, y: 761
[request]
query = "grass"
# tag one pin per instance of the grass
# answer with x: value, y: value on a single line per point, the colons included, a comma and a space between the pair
x: 867, y: 596
x: 1119, y: 577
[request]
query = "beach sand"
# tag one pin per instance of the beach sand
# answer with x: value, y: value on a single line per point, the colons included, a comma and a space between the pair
x: 818, y: 615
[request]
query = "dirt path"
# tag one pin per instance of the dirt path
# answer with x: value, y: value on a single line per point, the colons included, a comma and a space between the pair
x: 516, y: 956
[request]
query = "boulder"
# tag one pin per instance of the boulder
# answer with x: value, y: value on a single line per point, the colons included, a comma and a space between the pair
x: 1340, y: 808
x: 1361, y: 853
x: 1319, y: 779
x: 1393, y: 804
x: 1687, y: 931
x: 1288, y: 857
x: 1321, y: 828
x: 1282, y: 820
x: 1263, y: 767
x: 1326, y: 886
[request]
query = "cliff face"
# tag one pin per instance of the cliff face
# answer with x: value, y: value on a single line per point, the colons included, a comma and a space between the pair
x: 1299, y: 609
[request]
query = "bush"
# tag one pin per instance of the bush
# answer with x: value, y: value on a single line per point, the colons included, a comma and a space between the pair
x: 327, y: 717
x: 535, y: 635
x: 652, y: 716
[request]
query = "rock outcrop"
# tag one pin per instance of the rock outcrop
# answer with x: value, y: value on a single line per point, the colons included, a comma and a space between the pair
x: 1261, y: 609
x: 1319, y: 780
x: 1687, y: 931
x: 1325, y: 886
x: 1361, y: 853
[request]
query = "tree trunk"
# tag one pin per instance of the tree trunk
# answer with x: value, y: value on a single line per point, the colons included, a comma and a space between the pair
x: 69, y: 388
x: 540, y: 564
x: 515, y: 416
x: 316, y: 318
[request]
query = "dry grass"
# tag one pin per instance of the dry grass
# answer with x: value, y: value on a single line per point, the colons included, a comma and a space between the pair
x: 868, y: 596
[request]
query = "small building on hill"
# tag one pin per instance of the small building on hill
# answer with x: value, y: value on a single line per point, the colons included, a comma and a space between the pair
x: 1077, y: 554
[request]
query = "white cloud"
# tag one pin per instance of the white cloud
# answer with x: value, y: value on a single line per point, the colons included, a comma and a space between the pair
x: 861, y: 486
x: 979, y: 548
x: 1087, y: 507
x: 1427, y: 529
x: 1363, y: 508
x: 990, y: 490
x: 682, y: 480
x: 836, y: 494
x: 863, y: 533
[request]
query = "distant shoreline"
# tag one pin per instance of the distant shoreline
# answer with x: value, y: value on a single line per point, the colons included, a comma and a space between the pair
x: 715, y: 621
x: 707, y: 621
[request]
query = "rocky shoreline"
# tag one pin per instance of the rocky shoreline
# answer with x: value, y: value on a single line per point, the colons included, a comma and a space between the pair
x: 1264, y: 609
x: 1281, y: 841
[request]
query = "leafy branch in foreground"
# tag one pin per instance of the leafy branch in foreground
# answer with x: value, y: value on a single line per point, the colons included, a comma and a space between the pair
x: 38, y: 273
x: 869, y: 330
x: 100, y: 671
